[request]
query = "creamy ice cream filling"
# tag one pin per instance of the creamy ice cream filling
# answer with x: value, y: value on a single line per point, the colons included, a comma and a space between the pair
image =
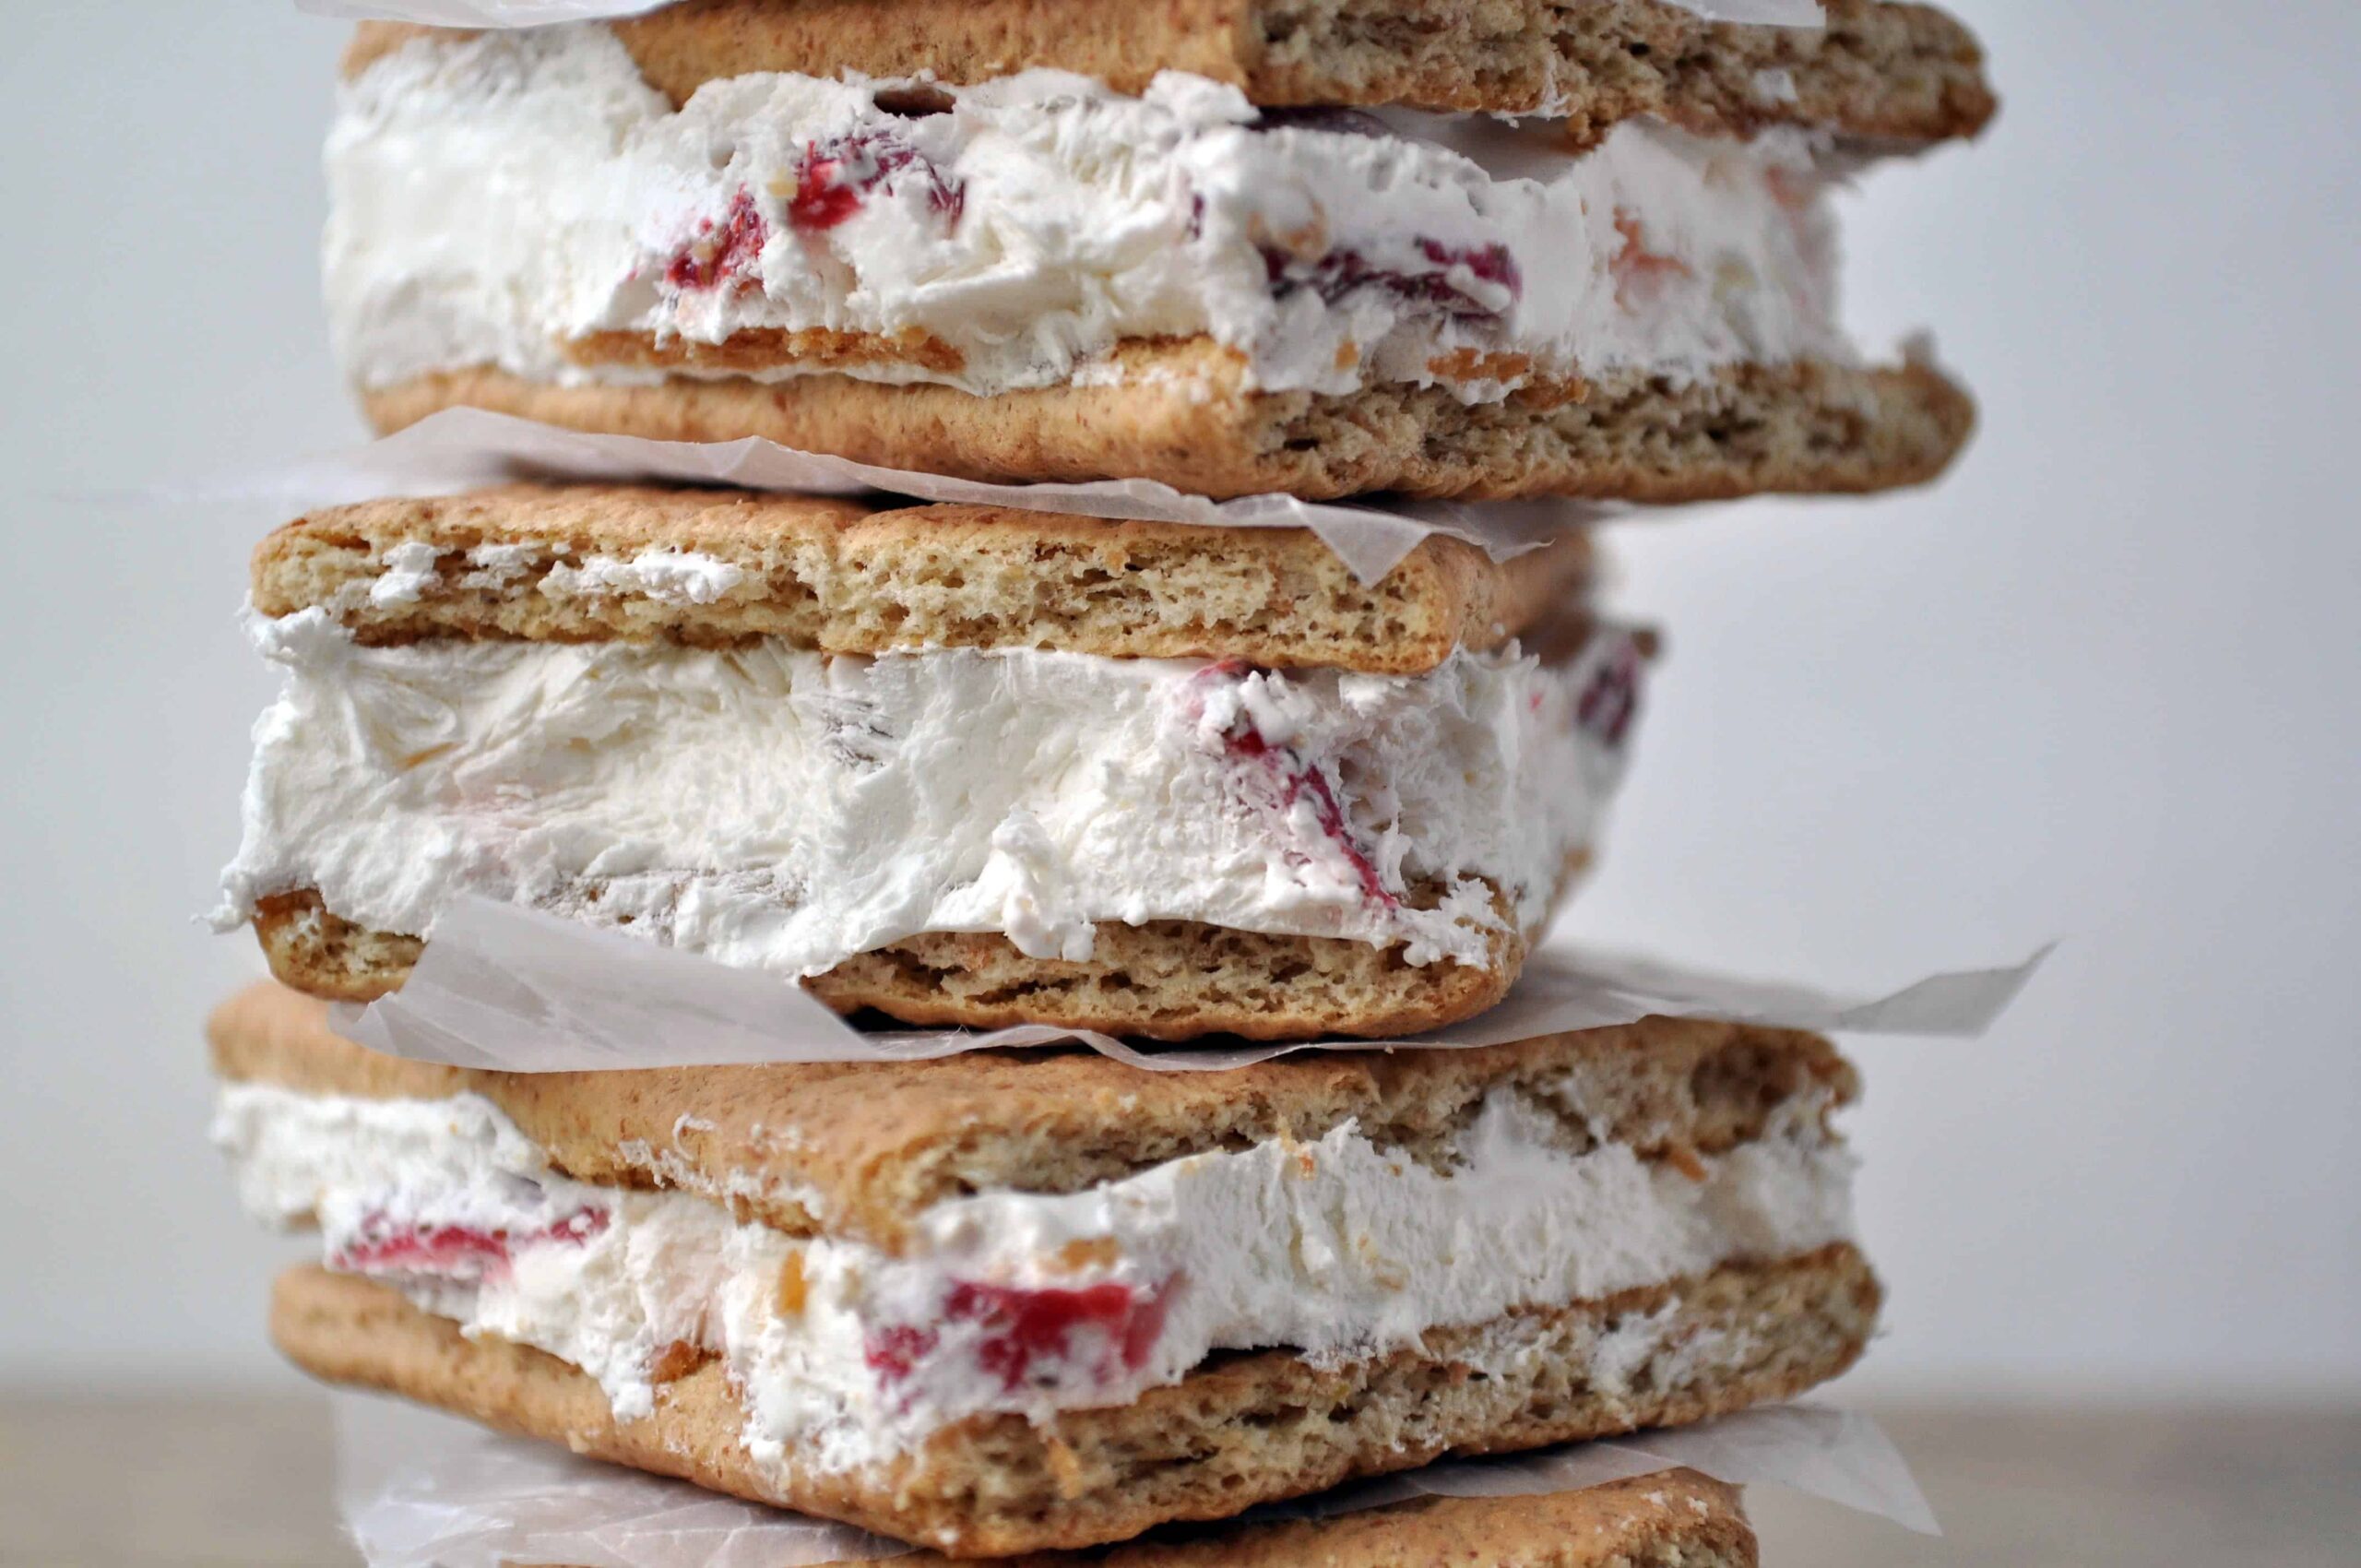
x: 780, y: 808
x: 526, y: 200
x: 846, y: 1352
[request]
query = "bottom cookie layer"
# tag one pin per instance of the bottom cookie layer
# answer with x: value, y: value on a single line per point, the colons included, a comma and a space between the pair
x: 1168, y: 980
x: 1668, y: 1520
x: 1184, y: 418
x: 1242, y: 1429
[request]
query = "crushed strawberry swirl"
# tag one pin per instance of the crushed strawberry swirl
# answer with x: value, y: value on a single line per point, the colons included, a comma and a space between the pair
x: 1033, y: 1332
x: 833, y: 181
x: 835, y: 177
x: 1278, y: 778
x: 455, y: 1251
x: 894, y: 1351
x: 1447, y: 288
x: 730, y: 254
x: 1610, y: 699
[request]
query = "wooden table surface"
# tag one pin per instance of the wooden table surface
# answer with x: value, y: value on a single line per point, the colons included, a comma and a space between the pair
x: 96, y: 1484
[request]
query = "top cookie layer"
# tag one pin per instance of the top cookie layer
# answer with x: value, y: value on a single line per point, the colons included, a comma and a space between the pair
x: 871, y: 1145
x: 1876, y: 69
x: 597, y: 563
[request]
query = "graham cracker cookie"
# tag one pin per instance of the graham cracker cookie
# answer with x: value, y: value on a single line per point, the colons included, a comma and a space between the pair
x: 1183, y: 415
x: 1162, y: 980
x: 1244, y: 1430
x: 873, y: 1144
x: 1432, y: 930
x: 1879, y: 70
x: 571, y: 563
x: 1669, y: 1519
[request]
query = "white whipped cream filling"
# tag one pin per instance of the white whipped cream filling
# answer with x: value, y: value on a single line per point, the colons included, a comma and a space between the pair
x: 495, y: 199
x: 783, y: 810
x: 847, y: 1353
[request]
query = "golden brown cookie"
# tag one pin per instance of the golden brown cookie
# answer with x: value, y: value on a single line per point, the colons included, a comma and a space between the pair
x: 1164, y: 980
x: 1904, y: 72
x: 845, y: 578
x: 1183, y: 415
x: 873, y: 1144
x: 1669, y: 1519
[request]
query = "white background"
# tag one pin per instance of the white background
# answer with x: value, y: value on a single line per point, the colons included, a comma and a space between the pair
x: 2103, y: 685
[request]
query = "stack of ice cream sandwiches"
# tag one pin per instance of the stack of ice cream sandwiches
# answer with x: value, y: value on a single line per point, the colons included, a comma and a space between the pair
x: 965, y: 766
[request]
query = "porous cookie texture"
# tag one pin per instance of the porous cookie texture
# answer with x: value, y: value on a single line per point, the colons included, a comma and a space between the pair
x: 1182, y: 414
x: 1165, y: 980
x: 1244, y: 1430
x: 1669, y: 1519
x: 1173, y: 980
x: 712, y: 568
x: 873, y: 1145
x: 1904, y: 72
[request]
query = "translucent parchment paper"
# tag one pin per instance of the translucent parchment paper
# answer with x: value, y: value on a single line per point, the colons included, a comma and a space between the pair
x: 482, y: 13
x: 514, y: 988
x: 420, y: 1490
x: 1768, y: 13
x: 461, y: 449
x: 535, y: 13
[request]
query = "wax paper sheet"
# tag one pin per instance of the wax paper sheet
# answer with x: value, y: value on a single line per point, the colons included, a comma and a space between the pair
x: 461, y: 449
x: 420, y: 1490
x: 423, y: 1490
x: 535, y: 13
x: 481, y: 12
x: 1768, y: 13
x: 510, y: 988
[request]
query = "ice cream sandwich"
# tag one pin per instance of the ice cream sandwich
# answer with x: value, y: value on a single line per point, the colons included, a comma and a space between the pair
x: 693, y: 226
x: 958, y: 766
x: 1003, y: 1303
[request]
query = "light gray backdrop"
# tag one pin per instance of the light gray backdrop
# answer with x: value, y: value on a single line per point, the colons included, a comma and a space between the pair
x: 2101, y: 685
